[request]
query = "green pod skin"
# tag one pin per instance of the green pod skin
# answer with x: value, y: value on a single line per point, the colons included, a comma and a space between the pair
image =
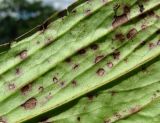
x: 44, y: 66
x: 39, y: 67
x: 47, y: 34
x: 125, y: 102
x: 68, y: 70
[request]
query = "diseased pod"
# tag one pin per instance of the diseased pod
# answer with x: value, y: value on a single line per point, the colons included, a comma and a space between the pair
x: 97, y: 62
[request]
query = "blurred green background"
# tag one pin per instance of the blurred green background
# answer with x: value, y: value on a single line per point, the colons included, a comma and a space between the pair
x: 19, y: 16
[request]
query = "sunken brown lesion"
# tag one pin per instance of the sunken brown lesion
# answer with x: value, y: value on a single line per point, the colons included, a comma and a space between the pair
x: 74, y: 83
x: 100, y: 72
x: 30, y: 104
x: 116, y: 54
x: 18, y: 71
x: 23, y: 54
x: 98, y: 58
x: 131, y: 33
x: 120, y: 37
x: 55, y: 79
x: 94, y: 46
x: 82, y: 51
x: 110, y: 64
x: 2, y: 120
x: 151, y: 46
x: 26, y: 89
x: 120, y: 19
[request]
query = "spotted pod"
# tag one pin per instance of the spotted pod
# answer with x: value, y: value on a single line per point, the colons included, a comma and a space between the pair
x: 95, y: 43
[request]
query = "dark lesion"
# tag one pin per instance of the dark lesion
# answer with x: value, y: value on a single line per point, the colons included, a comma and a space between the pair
x: 27, y: 88
x: 30, y: 104
x: 120, y: 19
x: 23, y: 54
x: 2, y: 120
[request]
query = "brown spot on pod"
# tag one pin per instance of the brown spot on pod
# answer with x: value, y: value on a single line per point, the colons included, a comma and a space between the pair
x: 144, y: 69
x: 82, y: 51
x: 94, y: 46
x: 2, y: 120
x: 143, y: 26
x: 11, y: 86
x: 151, y: 45
x: 30, y: 104
x: 62, y: 84
x: 120, y: 37
x: 26, y: 89
x: 23, y: 54
x: 100, y: 71
x: 75, y: 66
x: 41, y: 89
x: 88, y: 12
x: 116, y: 55
x: 110, y: 64
x: 158, y: 42
x: 98, y: 58
x: 74, y: 83
x: 55, y: 79
x: 90, y: 97
x: 141, y: 7
x: 118, y: 20
x: 18, y: 71
x: 131, y: 33
x: 135, y: 109
x: 79, y: 119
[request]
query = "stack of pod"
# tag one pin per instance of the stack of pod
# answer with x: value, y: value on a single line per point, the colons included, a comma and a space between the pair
x: 97, y: 62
